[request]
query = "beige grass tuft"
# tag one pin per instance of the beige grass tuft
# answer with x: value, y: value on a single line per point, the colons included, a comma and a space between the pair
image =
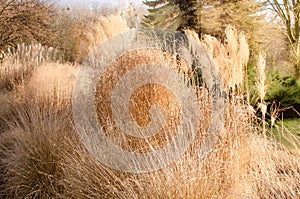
x: 99, y: 31
x: 230, y: 57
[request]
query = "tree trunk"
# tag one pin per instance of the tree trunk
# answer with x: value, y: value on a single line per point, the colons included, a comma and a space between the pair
x: 297, y: 71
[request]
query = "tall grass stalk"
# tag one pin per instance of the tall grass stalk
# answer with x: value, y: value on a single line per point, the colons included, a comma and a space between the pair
x: 230, y: 57
x: 261, y: 87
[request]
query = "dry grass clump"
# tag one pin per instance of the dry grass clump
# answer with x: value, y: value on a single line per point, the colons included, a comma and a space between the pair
x: 41, y: 156
x: 275, y: 169
x: 34, y: 72
x: 51, y: 82
x: 99, y: 31
x: 35, y: 119
x: 34, y: 53
x: 140, y: 102
x: 35, y: 123
x: 30, y: 153
x: 17, y: 65
x: 85, y: 177
x: 230, y: 57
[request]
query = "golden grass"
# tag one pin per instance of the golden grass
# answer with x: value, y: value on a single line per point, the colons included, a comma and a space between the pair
x: 99, y: 31
x: 261, y: 87
x: 17, y: 64
x: 53, y: 81
x: 42, y: 156
x: 140, y: 102
x: 231, y: 57
x: 30, y: 159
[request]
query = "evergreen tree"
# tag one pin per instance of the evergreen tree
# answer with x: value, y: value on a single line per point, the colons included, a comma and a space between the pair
x: 207, y: 17
x: 173, y: 14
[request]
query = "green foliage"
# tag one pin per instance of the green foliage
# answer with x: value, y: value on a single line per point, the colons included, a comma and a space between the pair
x: 208, y: 17
x: 284, y: 90
x: 172, y: 14
x: 166, y: 16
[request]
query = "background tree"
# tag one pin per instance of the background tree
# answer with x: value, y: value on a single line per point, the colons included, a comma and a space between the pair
x: 174, y: 14
x: 245, y: 16
x: 162, y: 14
x: 289, y: 13
x: 208, y: 17
x: 25, y: 22
x: 73, y: 23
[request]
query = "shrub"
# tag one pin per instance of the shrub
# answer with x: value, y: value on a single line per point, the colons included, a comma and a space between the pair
x: 284, y: 90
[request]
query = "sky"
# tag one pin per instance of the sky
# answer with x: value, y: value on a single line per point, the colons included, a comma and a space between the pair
x: 100, y: 2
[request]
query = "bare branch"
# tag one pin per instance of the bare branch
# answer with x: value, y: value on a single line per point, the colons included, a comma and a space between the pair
x: 24, y: 21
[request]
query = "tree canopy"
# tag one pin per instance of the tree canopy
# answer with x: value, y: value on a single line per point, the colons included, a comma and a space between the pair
x: 173, y: 14
x: 289, y: 13
x: 207, y: 17
x: 24, y: 21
